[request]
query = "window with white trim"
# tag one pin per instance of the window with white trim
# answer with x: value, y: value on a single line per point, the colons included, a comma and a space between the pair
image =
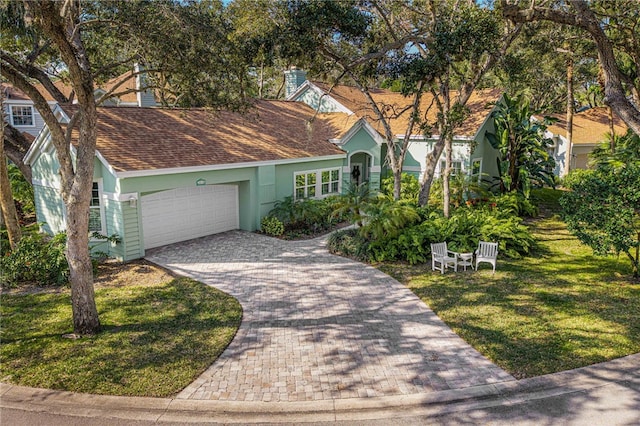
x: 456, y: 167
x: 330, y: 181
x: 96, y: 215
x: 476, y: 169
x: 22, y: 115
x: 316, y: 183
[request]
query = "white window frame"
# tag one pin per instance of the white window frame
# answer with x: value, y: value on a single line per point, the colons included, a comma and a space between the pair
x: 454, y: 171
x: 13, y: 116
x: 476, y: 176
x: 100, y: 207
x: 330, y: 184
x: 318, y: 183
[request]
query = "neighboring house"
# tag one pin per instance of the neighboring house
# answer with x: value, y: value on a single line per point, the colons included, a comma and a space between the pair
x: 590, y: 128
x: 365, y: 144
x: 168, y: 175
x: 21, y: 113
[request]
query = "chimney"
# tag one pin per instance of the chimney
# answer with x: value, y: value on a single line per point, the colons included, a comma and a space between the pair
x: 293, y: 79
x: 146, y: 97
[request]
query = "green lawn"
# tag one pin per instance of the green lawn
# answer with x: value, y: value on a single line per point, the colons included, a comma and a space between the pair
x: 559, y: 309
x: 156, y: 338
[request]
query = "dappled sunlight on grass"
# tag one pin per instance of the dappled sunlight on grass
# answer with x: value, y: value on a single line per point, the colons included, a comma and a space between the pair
x: 155, y: 340
x: 560, y: 308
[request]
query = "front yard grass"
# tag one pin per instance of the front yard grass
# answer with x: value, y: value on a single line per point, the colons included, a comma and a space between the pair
x: 559, y: 309
x: 158, y: 335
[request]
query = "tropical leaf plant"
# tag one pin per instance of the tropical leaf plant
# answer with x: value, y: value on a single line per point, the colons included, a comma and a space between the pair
x: 524, y: 159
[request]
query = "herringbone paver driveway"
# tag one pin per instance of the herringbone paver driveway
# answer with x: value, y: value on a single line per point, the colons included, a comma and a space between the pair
x: 318, y: 326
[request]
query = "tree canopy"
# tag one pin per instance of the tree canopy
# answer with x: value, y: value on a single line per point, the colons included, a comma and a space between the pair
x: 184, y: 49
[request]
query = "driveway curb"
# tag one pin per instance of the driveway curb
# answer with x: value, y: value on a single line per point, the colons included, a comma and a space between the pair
x: 623, y: 371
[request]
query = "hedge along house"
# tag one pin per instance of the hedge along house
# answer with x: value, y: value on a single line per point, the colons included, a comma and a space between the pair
x: 168, y: 175
x: 366, y: 147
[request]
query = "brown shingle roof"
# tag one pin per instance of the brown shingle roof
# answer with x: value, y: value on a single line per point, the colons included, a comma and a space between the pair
x: 137, y: 139
x: 129, y: 84
x: 395, y: 103
x: 340, y: 121
x: 589, y: 126
x: 15, y: 93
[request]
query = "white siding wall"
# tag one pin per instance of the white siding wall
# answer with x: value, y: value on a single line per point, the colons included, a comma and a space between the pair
x: 37, y: 118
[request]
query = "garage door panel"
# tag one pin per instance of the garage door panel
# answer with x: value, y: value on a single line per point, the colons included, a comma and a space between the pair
x: 185, y: 213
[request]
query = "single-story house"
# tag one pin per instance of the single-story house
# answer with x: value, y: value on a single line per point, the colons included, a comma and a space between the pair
x: 168, y: 175
x: 366, y: 147
x: 590, y: 127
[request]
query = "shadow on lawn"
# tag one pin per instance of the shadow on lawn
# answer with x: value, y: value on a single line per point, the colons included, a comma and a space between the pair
x: 153, y: 343
x: 530, y: 321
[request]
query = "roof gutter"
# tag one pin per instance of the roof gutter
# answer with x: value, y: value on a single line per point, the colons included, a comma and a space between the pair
x: 214, y: 167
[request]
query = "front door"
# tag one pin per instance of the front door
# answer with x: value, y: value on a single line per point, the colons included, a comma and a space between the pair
x: 356, y: 173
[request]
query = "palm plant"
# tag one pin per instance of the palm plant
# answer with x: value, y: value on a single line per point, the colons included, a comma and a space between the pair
x: 351, y: 204
x: 524, y: 158
x: 617, y: 151
x: 386, y: 218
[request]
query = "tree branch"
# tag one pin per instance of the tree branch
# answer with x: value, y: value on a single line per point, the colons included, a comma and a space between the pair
x: 31, y: 71
x: 585, y: 18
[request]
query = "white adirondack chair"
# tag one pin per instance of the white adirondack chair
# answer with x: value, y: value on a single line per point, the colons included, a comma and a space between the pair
x: 446, y: 258
x: 487, y: 252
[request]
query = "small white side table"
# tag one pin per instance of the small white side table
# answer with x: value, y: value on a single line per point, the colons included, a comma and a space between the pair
x: 466, y: 259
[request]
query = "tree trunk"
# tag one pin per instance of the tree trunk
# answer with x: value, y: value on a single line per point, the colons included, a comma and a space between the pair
x: 16, y: 146
x: 77, y: 201
x: 567, y: 165
x: 429, y: 172
x: 397, y: 183
x: 85, y: 313
x: 7, y: 204
x: 59, y: 23
x: 612, y: 129
x: 446, y: 189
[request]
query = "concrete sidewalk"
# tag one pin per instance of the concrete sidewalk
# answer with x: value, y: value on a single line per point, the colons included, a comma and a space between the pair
x: 602, y: 394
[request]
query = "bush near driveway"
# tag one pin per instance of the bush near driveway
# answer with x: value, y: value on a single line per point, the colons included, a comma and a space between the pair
x: 381, y: 239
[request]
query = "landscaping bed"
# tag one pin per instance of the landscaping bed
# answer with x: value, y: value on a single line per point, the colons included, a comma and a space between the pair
x: 159, y: 332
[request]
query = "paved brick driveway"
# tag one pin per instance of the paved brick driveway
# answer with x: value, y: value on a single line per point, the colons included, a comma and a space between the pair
x: 318, y: 326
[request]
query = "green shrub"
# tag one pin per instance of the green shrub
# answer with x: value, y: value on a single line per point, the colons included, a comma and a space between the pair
x: 348, y: 243
x: 514, y: 203
x: 21, y: 189
x: 410, y: 242
x: 306, y: 216
x: 272, y: 226
x: 409, y: 187
x: 38, y: 259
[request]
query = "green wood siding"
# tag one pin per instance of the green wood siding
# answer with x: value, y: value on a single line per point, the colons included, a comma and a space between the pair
x: 132, y: 246
x: 49, y: 209
x: 266, y: 190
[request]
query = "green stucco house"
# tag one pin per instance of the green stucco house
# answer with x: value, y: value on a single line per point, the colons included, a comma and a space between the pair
x: 366, y: 149
x: 168, y: 175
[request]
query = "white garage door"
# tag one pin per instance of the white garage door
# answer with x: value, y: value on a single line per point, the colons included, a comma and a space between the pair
x: 185, y: 213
